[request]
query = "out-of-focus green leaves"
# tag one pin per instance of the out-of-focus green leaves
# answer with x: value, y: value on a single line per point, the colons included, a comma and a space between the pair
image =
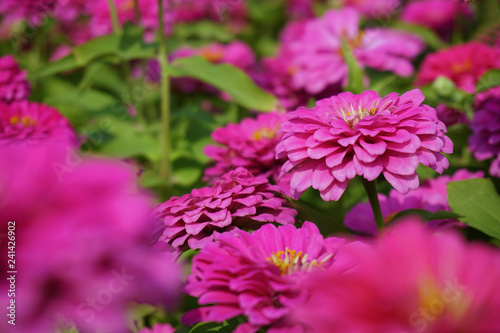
x: 356, y: 75
x: 118, y: 48
x: 205, y: 29
x: 426, y: 34
x: 444, y: 91
x: 227, y: 78
x: 326, y: 224
x: 427, y: 215
x: 489, y: 80
x: 478, y: 202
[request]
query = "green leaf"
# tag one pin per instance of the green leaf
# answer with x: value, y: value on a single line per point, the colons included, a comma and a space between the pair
x: 123, y: 47
x: 325, y: 224
x: 225, y: 327
x: 227, y: 78
x: 426, y: 34
x: 204, y: 30
x: 427, y: 215
x: 489, y: 80
x: 356, y: 75
x: 477, y: 200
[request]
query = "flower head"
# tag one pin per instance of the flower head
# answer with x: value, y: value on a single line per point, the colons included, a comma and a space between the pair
x: 318, y: 60
x: 410, y: 281
x: 257, y: 274
x: 374, y: 8
x: 33, y: 122
x: 365, y: 135
x: 32, y: 10
x: 249, y: 144
x: 13, y: 83
x: 238, y: 199
x: 431, y: 196
x: 484, y: 142
x: 81, y: 235
x: 464, y: 64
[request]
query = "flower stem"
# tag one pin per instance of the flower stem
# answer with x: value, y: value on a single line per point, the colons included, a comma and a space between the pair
x: 371, y: 191
x: 165, y: 97
x: 114, y: 17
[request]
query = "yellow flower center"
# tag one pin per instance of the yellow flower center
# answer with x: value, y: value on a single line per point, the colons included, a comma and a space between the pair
x: 353, y: 116
x: 352, y: 43
x: 291, y: 261
x: 25, y: 121
x: 264, y: 133
x: 460, y: 68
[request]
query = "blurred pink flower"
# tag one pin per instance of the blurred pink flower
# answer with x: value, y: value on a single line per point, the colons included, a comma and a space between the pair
x: 410, y: 281
x: 257, y: 274
x: 450, y: 116
x: 158, y: 328
x: 317, y: 58
x: 249, y: 144
x: 484, y: 141
x: 237, y: 199
x: 233, y: 11
x: 32, y: 122
x: 365, y: 135
x: 13, y: 83
x: 439, y: 15
x: 32, y: 10
x: 464, y: 64
x: 373, y: 8
x: 431, y: 196
x: 81, y: 229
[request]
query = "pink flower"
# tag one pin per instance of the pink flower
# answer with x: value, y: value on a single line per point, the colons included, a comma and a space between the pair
x: 374, y: 8
x: 159, y: 328
x: 484, y: 142
x: 32, y: 10
x: 411, y: 281
x: 257, y: 274
x: 13, y: 83
x: 450, y: 116
x: 219, y: 10
x: 318, y: 60
x: 238, y: 199
x: 81, y: 227
x: 249, y: 144
x: 431, y: 196
x: 33, y: 122
x: 435, y: 14
x: 464, y: 64
x: 365, y: 135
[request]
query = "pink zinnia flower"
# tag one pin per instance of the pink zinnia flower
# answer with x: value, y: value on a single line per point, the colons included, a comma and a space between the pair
x: 257, y: 274
x: 438, y: 15
x: 33, y: 122
x: 81, y: 229
x: 374, y: 8
x: 365, y: 135
x: 249, y: 144
x: 318, y: 60
x: 13, y: 83
x: 484, y: 142
x: 219, y: 10
x: 464, y: 64
x: 431, y: 196
x: 32, y: 10
x: 238, y: 199
x: 450, y: 116
x: 411, y: 281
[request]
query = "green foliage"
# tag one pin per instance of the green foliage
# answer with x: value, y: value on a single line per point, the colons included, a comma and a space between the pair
x: 427, y: 35
x: 489, y: 80
x: 427, y: 215
x: 356, y: 75
x: 478, y: 202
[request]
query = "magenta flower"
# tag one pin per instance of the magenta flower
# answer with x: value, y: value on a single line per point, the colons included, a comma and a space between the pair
x: 464, y: 64
x: 431, y: 196
x: 249, y: 144
x: 238, y: 199
x: 32, y: 10
x: 33, y: 122
x: 438, y: 15
x: 365, y: 135
x: 484, y: 142
x: 221, y: 10
x: 374, y: 8
x: 450, y: 116
x: 13, y: 83
x: 81, y: 229
x: 411, y: 281
x: 257, y: 274
x: 318, y: 60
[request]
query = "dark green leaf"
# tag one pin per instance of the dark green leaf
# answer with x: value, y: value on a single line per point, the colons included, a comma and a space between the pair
x: 204, y: 30
x: 427, y: 215
x: 426, y: 34
x: 356, y: 74
x: 227, y: 78
x: 326, y: 224
x: 479, y: 203
x: 489, y: 80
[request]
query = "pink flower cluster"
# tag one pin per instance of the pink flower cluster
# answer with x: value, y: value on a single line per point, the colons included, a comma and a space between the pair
x: 237, y: 199
x: 13, y: 83
x: 364, y: 135
x: 81, y: 227
x: 411, y: 280
x: 431, y: 196
x: 464, y: 64
x: 258, y: 274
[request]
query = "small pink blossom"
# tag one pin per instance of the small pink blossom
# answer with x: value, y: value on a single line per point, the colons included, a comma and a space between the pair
x: 13, y: 83
x: 365, y: 135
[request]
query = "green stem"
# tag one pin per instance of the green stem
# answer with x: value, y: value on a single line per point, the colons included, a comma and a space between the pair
x: 371, y: 191
x: 165, y: 97
x: 137, y: 12
x: 114, y: 17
